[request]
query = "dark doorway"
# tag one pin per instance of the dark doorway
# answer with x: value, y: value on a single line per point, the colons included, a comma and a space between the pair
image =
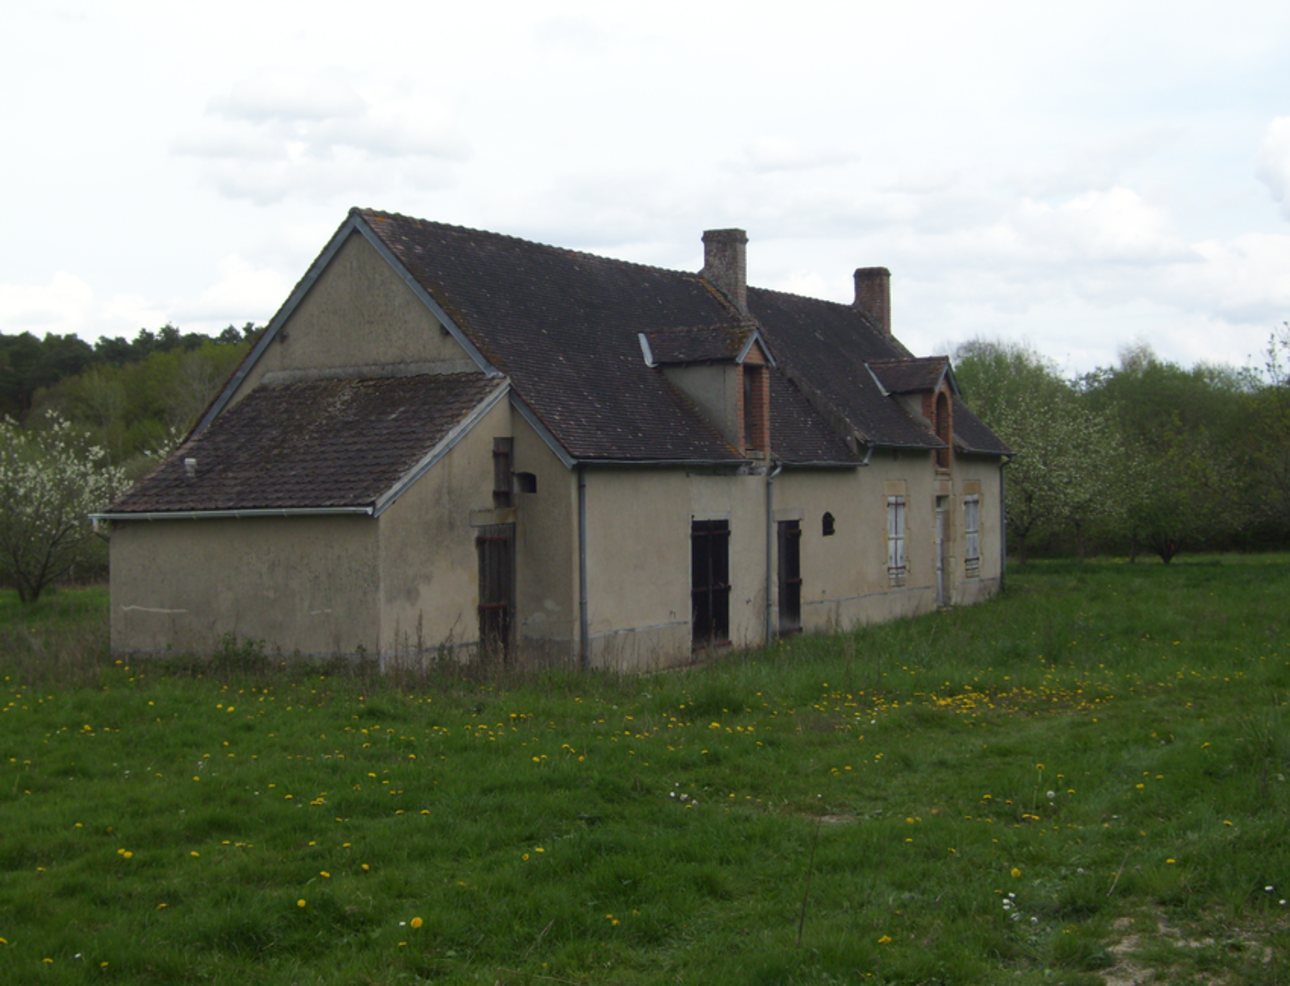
x: 790, y: 576
x: 496, y: 546
x: 710, y: 581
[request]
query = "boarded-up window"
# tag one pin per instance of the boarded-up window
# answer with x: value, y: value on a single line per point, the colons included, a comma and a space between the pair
x: 896, y: 569
x: 972, y: 536
x: 710, y: 581
x: 496, y: 547
x: 502, y: 455
x: 790, y: 576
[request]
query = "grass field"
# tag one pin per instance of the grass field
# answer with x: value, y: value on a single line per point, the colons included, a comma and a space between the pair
x: 1082, y: 782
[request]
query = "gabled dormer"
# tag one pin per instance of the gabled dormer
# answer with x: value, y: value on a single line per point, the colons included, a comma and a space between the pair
x: 926, y: 388
x: 725, y: 371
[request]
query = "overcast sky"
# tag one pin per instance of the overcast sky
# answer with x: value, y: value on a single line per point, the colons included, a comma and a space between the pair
x: 1079, y: 176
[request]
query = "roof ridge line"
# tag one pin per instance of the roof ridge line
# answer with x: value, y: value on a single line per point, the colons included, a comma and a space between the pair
x: 535, y: 243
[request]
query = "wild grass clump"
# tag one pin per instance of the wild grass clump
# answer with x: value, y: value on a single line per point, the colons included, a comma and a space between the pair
x: 62, y: 639
x: 1086, y: 777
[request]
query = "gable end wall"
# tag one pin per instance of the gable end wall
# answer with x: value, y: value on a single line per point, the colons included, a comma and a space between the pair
x: 359, y: 313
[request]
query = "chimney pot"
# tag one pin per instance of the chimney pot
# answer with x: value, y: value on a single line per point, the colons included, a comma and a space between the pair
x: 725, y: 264
x: 873, y: 296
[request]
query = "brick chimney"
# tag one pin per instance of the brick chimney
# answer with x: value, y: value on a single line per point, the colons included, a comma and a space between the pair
x: 873, y: 296
x: 725, y: 264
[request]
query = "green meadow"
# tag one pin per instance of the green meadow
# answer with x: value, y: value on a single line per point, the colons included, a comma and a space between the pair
x: 1081, y: 782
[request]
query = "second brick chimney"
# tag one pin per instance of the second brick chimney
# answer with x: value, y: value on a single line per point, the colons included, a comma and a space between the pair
x: 725, y: 264
x: 873, y: 296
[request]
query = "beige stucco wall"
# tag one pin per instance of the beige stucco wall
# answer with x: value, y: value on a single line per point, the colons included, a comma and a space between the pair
x: 429, y: 567
x: 715, y: 388
x: 546, y: 549
x: 844, y: 576
x: 300, y: 584
x: 359, y: 313
x: 985, y: 471
x: 638, y: 560
x: 638, y: 547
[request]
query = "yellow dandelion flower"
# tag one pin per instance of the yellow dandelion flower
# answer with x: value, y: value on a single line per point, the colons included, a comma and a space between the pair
x: 416, y: 922
x: 1015, y: 872
x: 885, y: 940
x: 301, y: 902
x: 366, y: 867
x: 162, y: 905
x: 324, y: 874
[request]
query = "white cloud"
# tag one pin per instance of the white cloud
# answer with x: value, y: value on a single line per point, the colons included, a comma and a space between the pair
x: 1100, y: 227
x: 68, y: 304
x: 280, y: 134
x: 289, y: 97
x: 776, y: 153
x: 243, y: 293
x: 1246, y: 279
x: 1273, y: 163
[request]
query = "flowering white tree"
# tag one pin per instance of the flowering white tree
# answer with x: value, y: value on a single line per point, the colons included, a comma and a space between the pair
x: 1061, y: 477
x: 51, y: 479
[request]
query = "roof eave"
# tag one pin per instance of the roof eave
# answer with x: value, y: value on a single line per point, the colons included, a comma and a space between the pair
x: 151, y: 515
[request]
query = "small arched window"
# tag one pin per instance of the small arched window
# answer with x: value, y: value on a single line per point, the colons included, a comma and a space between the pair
x: 827, y: 524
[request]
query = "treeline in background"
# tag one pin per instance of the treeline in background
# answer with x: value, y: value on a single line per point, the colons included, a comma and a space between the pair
x: 1143, y: 456
x: 132, y: 398
x: 79, y: 424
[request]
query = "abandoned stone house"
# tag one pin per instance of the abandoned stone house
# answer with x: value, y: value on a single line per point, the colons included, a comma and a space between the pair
x: 454, y: 441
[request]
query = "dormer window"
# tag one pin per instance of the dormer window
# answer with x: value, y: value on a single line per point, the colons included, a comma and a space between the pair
x: 725, y: 371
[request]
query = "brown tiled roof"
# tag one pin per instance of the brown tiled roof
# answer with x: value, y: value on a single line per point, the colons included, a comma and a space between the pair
x: 326, y: 443
x: 971, y: 434
x: 827, y: 345
x: 910, y: 376
x: 565, y: 327
x: 798, y: 432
